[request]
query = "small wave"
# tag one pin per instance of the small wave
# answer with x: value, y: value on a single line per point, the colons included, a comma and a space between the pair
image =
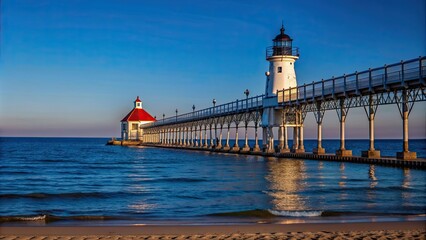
x: 249, y: 213
x: 172, y: 180
x: 15, y: 172
x: 296, y: 213
x: 51, y: 218
x: 188, y: 197
x: 183, y: 180
x: 53, y: 195
x: 261, y: 213
x: 23, y: 218
x: 50, y: 160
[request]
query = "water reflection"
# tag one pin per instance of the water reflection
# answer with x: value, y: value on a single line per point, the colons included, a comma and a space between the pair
x: 342, y: 182
x: 320, y: 174
x: 287, y: 178
x: 406, y: 184
x: 320, y: 165
x: 372, y: 176
x: 407, y: 178
x: 141, y: 207
x: 371, y: 192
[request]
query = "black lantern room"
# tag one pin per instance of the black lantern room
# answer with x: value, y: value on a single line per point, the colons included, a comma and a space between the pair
x: 282, y: 44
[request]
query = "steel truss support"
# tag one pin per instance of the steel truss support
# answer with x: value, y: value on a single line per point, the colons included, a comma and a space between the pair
x: 298, y: 143
x: 256, y: 147
x: 247, y: 117
x: 219, y: 144
x: 180, y: 136
x: 195, y: 135
x: 237, y: 118
x: 201, y: 134
x: 268, y: 131
x: 227, y: 147
x: 302, y: 116
x: 206, y: 143
x: 216, y: 139
x: 192, y: 132
x: 184, y: 135
x: 283, y: 146
x: 405, y: 106
x: 319, y: 116
x: 211, y: 135
x: 342, y: 113
x: 256, y: 118
x: 371, y: 113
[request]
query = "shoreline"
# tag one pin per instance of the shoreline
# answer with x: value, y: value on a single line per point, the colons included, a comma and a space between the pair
x: 191, y: 230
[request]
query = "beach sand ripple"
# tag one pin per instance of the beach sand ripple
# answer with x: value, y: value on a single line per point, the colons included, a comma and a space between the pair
x: 365, y: 235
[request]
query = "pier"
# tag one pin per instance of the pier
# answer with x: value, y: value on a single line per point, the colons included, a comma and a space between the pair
x: 285, y: 105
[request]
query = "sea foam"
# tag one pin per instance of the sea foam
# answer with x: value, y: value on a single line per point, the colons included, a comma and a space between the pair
x: 296, y: 213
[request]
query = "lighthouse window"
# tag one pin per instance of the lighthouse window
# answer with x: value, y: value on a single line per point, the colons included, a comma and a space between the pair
x: 280, y: 69
x: 134, y: 126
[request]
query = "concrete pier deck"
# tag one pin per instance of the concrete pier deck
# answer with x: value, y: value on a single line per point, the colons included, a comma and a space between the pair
x: 419, y: 163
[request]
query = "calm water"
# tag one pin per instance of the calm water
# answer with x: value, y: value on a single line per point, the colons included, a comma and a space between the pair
x: 65, y: 178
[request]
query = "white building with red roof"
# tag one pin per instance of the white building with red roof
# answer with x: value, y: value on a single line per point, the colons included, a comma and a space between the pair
x: 130, y: 124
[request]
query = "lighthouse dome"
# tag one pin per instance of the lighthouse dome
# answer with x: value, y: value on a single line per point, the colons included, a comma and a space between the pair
x: 282, y: 36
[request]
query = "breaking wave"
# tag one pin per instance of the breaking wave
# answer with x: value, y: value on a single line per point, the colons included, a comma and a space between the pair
x: 52, y: 218
x: 270, y: 213
x: 296, y: 213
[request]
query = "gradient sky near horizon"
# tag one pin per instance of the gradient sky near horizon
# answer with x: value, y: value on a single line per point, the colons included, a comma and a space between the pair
x: 74, y: 68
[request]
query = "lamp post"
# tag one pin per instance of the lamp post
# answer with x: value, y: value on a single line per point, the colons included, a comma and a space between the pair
x: 193, y: 110
x: 176, y: 114
x: 247, y: 93
x: 246, y: 147
x: 211, y: 137
x: 165, y: 137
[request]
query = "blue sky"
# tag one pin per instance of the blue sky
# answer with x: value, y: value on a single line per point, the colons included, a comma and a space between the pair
x: 73, y: 68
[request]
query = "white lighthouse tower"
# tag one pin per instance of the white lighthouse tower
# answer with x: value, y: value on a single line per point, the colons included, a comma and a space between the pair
x: 281, y: 57
x: 281, y: 75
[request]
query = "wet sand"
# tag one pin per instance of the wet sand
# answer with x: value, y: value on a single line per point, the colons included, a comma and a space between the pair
x: 371, y: 230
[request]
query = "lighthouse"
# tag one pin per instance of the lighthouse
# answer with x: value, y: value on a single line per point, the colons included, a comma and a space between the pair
x: 281, y: 57
x: 281, y: 75
x: 131, y: 123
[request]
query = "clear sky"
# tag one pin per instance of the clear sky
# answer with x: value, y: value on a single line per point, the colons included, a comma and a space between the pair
x: 74, y: 68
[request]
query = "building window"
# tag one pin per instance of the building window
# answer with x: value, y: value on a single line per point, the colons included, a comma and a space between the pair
x: 134, y: 126
x: 280, y: 69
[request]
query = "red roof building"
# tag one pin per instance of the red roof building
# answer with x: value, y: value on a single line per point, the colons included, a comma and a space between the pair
x: 138, y: 115
x: 130, y: 124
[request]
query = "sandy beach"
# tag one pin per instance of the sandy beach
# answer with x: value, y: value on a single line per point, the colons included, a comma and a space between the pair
x: 371, y: 230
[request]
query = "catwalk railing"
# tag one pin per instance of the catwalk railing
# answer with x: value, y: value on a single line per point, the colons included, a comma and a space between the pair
x: 235, y: 107
x: 403, y: 75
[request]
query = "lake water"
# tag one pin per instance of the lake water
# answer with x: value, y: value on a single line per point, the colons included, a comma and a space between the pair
x: 59, y: 180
